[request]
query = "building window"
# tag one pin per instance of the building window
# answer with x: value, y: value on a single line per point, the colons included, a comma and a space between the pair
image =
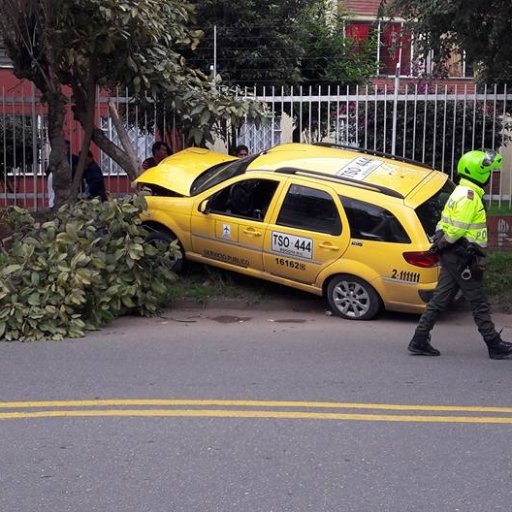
x: 394, y: 45
x: 395, y: 49
x: 359, y: 31
x: 5, y: 62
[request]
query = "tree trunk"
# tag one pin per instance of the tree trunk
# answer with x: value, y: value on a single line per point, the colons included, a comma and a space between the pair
x: 105, y: 144
x: 116, y: 153
x: 123, y: 137
x: 59, y: 163
x: 88, y: 126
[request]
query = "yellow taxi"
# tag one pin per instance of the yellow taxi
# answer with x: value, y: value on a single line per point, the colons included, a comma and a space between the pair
x: 343, y: 223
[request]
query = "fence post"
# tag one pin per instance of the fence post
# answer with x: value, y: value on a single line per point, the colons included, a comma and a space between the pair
x: 395, y: 109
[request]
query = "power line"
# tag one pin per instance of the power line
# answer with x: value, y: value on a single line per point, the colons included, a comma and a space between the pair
x: 270, y: 58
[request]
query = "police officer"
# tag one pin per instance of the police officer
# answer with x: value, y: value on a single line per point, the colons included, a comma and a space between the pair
x: 460, y: 238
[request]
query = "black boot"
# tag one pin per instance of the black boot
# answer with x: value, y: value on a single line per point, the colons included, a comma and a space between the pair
x: 420, y: 346
x: 499, y: 349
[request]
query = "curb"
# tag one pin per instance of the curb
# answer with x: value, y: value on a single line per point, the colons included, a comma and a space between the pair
x: 302, y: 304
x: 298, y: 304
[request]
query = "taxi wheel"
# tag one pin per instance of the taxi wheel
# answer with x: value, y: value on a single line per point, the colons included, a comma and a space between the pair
x: 352, y: 298
x: 176, y: 265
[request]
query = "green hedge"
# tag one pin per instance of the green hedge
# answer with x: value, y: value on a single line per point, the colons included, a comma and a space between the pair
x: 498, y: 280
x: 79, y: 270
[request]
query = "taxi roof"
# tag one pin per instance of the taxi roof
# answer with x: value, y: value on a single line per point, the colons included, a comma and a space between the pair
x: 394, y: 177
x: 402, y: 177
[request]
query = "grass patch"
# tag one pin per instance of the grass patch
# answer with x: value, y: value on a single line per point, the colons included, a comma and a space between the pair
x: 499, y: 208
x: 498, y: 280
x: 202, y: 282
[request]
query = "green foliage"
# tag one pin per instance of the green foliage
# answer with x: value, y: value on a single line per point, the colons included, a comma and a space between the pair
x: 147, y: 44
x: 134, y: 43
x: 499, y: 207
x: 329, y: 56
x: 498, y: 280
x: 481, y: 29
x: 139, y: 46
x: 257, y: 41
x: 280, y: 43
x: 80, y: 270
x: 212, y: 112
x: 215, y: 112
x: 201, y: 283
x: 295, y: 42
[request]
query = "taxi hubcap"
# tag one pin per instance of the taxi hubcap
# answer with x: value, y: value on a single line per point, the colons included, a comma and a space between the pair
x: 351, y: 299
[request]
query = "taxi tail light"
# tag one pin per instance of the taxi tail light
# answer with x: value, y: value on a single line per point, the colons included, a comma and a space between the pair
x: 422, y: 259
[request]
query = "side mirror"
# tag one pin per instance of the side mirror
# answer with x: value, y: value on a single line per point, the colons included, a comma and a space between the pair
x: 204, y: 206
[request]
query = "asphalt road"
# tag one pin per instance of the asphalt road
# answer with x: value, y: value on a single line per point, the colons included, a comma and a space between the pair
x: 220, y: 410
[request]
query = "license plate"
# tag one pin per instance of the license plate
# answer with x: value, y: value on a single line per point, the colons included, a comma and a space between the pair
x: 292, y: 245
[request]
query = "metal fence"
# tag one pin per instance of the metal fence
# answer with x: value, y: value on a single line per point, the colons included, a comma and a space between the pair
x: 430, y: 124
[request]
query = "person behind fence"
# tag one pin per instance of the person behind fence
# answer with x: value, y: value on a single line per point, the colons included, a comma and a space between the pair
x: 50, y: 189
x: 160, y: 150
x: 460, y: 241
x: 94, y: 179
x: 241, y: 151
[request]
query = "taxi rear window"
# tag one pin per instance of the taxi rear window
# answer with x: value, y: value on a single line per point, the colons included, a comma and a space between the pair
x: 430, y: 211
x: 371, y: 222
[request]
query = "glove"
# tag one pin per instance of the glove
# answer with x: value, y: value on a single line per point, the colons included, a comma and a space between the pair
x: 434, y: 249
x: 439, y: 242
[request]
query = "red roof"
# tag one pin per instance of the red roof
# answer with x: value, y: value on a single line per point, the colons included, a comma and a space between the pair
x: 362, y: 7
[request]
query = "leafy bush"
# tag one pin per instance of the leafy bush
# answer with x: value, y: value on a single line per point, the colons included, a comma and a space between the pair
x: 498, y: 280
x: 79, y: 270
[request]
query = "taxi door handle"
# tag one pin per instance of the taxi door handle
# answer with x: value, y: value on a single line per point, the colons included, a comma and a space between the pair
x: 329, y: 246
x: 251, y: 232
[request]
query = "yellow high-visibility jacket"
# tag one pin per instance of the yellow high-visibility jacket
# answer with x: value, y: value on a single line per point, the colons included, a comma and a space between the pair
x: 464, y: 215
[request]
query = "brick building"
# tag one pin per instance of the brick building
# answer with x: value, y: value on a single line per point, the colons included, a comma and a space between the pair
x: 395, y: 50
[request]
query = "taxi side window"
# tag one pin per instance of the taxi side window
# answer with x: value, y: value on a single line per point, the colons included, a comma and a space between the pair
x: 310, y: 209
x: 248, y: 199
x: 370, y: 222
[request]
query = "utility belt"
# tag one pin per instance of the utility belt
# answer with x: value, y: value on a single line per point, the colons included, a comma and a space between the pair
x: 469, y: 254
x: 471, y: 257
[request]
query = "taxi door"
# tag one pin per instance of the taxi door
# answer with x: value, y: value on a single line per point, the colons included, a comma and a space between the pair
x: 307, y: 232
x: 232, y: 236
x: 231, y: 240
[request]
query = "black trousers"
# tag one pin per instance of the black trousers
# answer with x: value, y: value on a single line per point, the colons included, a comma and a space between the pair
x: 450, y: 281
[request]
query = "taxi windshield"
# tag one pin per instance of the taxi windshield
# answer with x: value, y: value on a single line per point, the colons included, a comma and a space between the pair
x: 219, y: 173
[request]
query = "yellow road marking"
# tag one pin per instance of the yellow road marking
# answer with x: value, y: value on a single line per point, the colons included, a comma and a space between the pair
x: 194, y: 413
x: 98, y: 408
x: 251, y: 403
